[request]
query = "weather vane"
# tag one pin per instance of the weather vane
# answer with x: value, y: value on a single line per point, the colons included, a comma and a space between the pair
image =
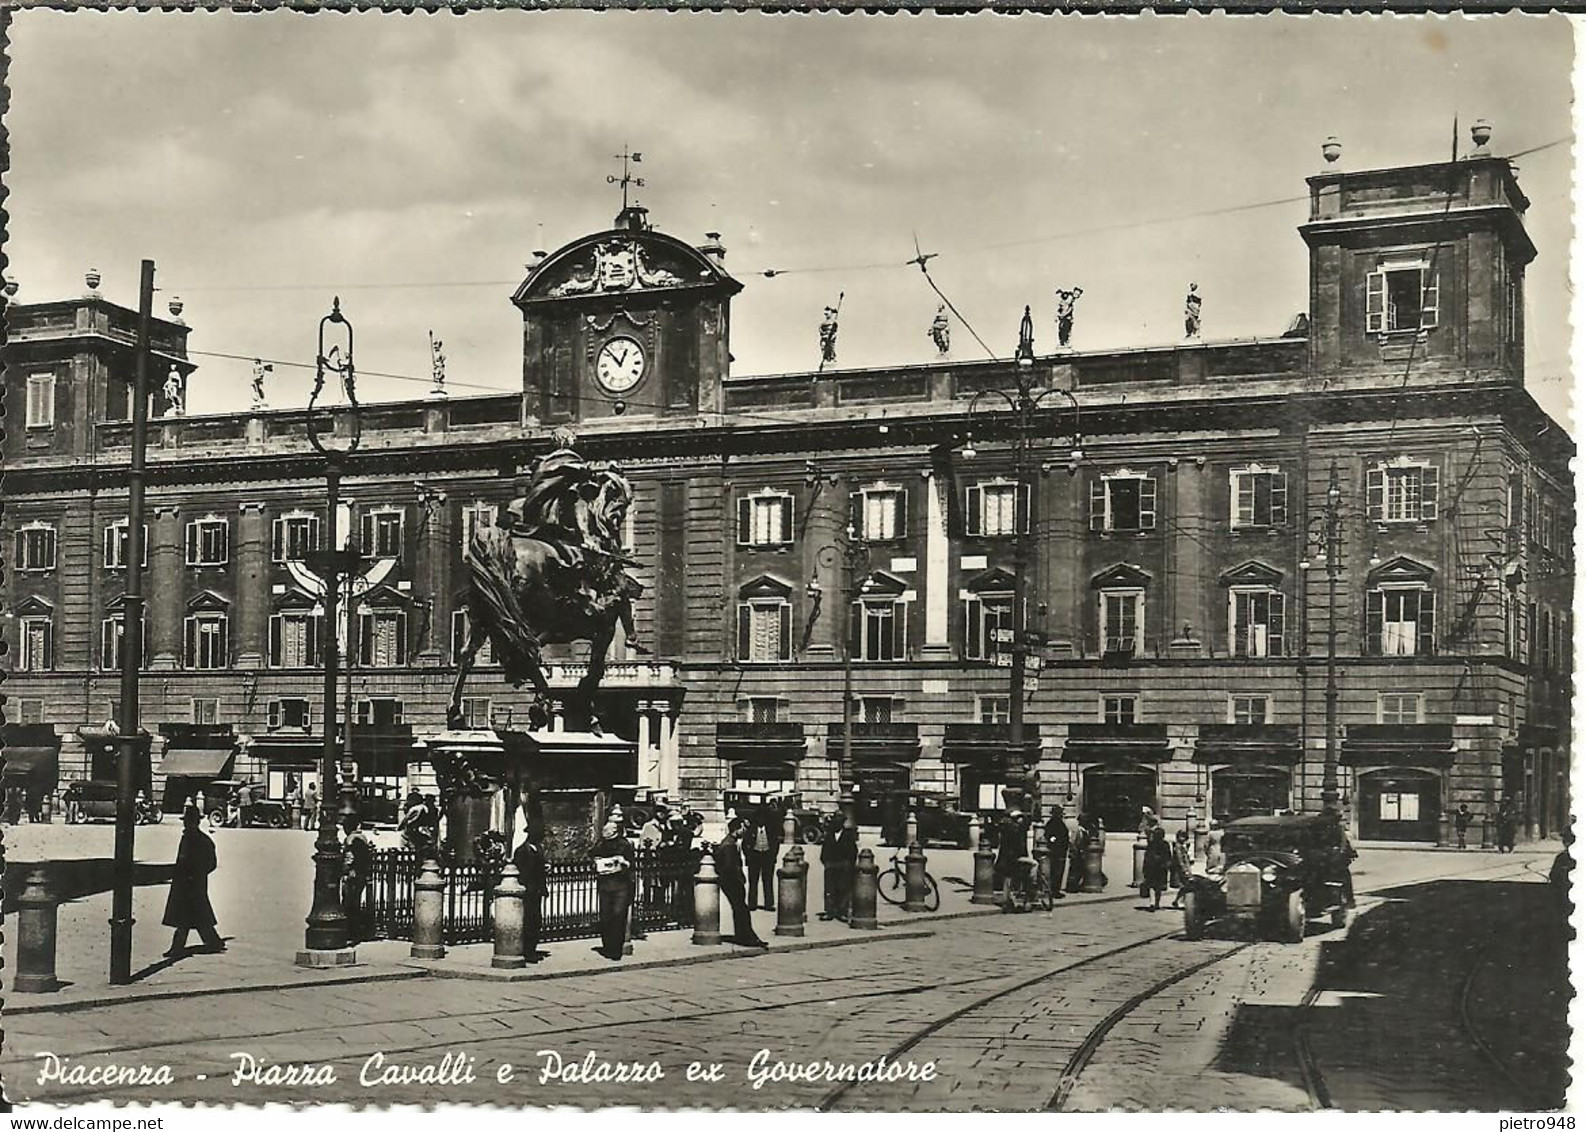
x: 627, y: 178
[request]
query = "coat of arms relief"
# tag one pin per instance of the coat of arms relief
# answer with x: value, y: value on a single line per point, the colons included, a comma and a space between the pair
x: 618, y: 266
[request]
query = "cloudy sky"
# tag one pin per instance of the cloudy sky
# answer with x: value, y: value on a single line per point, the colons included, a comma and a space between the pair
x: 412, y: 164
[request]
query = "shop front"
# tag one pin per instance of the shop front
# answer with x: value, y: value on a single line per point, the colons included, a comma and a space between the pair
x: 764, y: 760
x: 1248, y: 766
x: 876, y: 773
x: 983, y: 754
x: 196, y: 755
x: 31, y: 772
x: 1399, y: 772
x: 1118, y: 769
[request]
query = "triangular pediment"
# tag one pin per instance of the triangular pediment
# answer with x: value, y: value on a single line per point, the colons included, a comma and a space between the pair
x: 33, y: 606
x: 882, y: 584
x: 765, y: 586
x: 1121, y: 576
x: 1252, y: 574
x: 621, y: 262
x: 994, y: 580
x: 208, y: 602
x: 383, y: 597
x: 1400, y: 569
x: 295, y: 598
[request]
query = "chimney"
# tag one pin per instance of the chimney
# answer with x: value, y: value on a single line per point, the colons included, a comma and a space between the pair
x: 714, y: 248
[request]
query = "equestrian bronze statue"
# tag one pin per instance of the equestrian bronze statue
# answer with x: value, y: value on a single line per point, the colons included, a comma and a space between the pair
x: 551, y: 571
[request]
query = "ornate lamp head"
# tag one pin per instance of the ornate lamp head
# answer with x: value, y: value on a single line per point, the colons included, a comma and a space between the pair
x: 1332, y: 149
x: 175, y: 306
x: 1481, y: 133
x: 335, y: 355
x: 1026, y: 354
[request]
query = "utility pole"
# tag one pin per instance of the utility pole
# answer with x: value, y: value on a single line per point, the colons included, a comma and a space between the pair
x: 131, y: 648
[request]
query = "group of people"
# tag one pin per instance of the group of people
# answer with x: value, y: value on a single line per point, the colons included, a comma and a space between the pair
x: 420, y: 824
x: 1066, y: 847
x: 1508, y: 821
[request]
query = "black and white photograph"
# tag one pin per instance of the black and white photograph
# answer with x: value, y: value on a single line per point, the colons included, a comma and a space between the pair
x: 981, y: 563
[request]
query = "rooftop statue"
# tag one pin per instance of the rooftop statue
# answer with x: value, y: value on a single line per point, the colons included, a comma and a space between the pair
x: 1066, y: 298
x: 551, y: 571
x: 1192, y: 313
x: 941, y: 331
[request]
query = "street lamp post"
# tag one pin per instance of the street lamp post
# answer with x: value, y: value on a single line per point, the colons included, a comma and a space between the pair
x: 856, y: 556
x: 1326, y: 541
x: 327, y: 921
x: 1025, y: 406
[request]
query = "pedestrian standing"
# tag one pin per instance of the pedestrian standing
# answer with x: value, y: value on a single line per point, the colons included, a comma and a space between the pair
x: 294, y: 803
x: 760, y: 853
x: 357, y: 868
x: 311, y: 807
x: 1506, y: 826
x: 1012, y: 847
x: 1083, y: 836
x: 730, y: 880
x: 839, y: 853
x: 532, y: 874
x: 1057, y: 845
x: 1461, y: 824
x: 613, y: 856
x: 1179, y: 871
x: 1158, y: 863
x: 1214, y: 847
x: 187, y: 907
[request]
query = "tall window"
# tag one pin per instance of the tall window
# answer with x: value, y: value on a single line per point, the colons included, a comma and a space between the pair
x: 1123, y: 622
x: 1243, y: 708
x: 36, y: 547
x: 382, y: 638
x: 381, y: 534
x: 208, y: 542
x: 993, y: 709
x: 1258, y: 497
x: 290, y: 713
x: 116, y: 541
x: 1123, y: 501
x: 765, y: 631
x: 765, y: 519
x: 879, y: 514
x: 996, y: 508
x: 1399, y: 621
x: 294, y: 639
x: 206, y: 710
x: 37, y: 644
x: 879, y: 630
x: 41, y: 400
x: 1120, y: 709
x: 294, y: 537
x: 380, y: 711
x: 1255, y: 622
x: 1400, y: 297
x: 206, y: 643
x: 764, y: 709
x: 476, y: 712
x: 988, y: 625
x: 461, y: 626
x: 1401, y: 492
x: 477, y: 516
x: 1399, y: 707
x: 112, y: 639
x: 873, y: 709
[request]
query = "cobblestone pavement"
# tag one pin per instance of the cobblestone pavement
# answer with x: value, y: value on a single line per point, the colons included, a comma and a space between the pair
x: 1001, y: 1005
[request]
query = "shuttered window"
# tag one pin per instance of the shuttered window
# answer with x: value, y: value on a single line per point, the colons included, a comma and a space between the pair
x: 1402, y: 493
x: 112, y: 639
x: 1123, y: 502
x: 208, y: 542
x: 290, y: 713
x: 1401, y: 297
x: 477, y: 516
x: 1258, y: 497
x: 382, y: 638
x: 206, y: 643
x: 765, y: 632
x: 878, y: 630
x: 1400, y: 621
x: 294, y: 537
x: 1256, y: 623
x: 36, y: 547
x: 984, y: 615
x: 1122, y: 622
x: 37, y: 645
x: 381, y: 534
x: 996, y: 509
x: 295, y: 640
x: 765, y: 519
x: 879, y: 514
x: 461, y: 626
x: 41, y: 400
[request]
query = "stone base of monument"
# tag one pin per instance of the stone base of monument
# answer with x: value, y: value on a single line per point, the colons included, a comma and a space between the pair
x: 325, y: 959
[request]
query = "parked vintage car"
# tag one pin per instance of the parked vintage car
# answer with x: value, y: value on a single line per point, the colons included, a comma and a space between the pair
x: 223, y: 804
x: 638, y: 803
x: 379, y: 803
x: 90, y: 801
x: 940, y: 820
x: 1279, y: 873
x: 810, y: 822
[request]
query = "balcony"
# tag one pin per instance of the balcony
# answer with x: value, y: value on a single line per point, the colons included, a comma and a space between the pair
x: 760, y: 742
x: 1117, y: 742
x: 987, y: 742
x: 1398, y: 744
x: 876, y: 742
x: 1260, y: 744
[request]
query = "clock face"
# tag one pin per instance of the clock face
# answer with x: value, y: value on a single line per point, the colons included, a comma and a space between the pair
x: 619, y: 365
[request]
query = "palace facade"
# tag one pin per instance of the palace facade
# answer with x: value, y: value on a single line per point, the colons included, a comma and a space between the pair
x: 801, y: 533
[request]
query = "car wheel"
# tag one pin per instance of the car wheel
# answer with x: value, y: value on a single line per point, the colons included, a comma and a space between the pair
x: 217, y: 818
x: 1292, y: 929
x: 1194, y: 916
x: 812, y: 835
x: 278, y: 821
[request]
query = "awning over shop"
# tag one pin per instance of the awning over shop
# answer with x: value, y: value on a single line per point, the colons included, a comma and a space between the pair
x: 288, y: 752
x: 1398, y: 744
x: 761, y: 742
x: 1248, y: 744
x: 1117, y: 743
x: 875, y: 742
x: 195, y: 763
x: 988, y: 743
x: 31, y: 762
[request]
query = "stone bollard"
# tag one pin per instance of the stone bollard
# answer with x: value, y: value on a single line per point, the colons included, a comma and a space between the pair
x: 1201, y: 830
x: 911, y: 828
x: 1486, y: 831
x: 707, y: 902
x: 1445, y: 830
x: 914, y: 879
x: 790, y: 829
x: 1095, y: 880
x: 864, y: 906
x: 508, y: 921
x: 804, y: 882
x: 985, y: 870
x: 35, y: 935
x: 1041, y: 852
x: 790, y: 896
x: 1139, y: 862
x: 429, y: 912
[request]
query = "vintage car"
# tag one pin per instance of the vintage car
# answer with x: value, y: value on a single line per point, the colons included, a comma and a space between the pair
x: 222, y: 802
x: 379, y: 803
x: 90, y: 801
x: 1278, y: 874
x: 940, y: 820
x: 639, y: 803
x: 744, y: 803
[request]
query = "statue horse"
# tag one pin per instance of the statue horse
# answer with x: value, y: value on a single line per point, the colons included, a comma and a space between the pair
x: 524, y: 593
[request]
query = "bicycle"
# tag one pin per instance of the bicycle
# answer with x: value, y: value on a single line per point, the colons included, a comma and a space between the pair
x: 1032, y: 888
x: 893, y: 885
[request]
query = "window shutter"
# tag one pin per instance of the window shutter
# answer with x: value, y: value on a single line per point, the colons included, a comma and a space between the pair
x: 401, y: 639
x: 366, y: 532
x: 786, y: 533
x: 1022, y: 509
x: 1374, y: 494
x: 106, y: 659
x: 459, y: 634
x: 745, y: 520
x: 365, y: 638
x: 744, y: 622
x: 1148, y: 503
x: 192, y: 543
x: 1241, y: 624
x: 1242, y: 498
x: 900, y: 519
x: 1280, y: 498
x: 223, y: 644
x: 856, y: 631
x: 971, y: 628
x: 1429, y: 477
x: 785, y: 632
x: 278, y: 540
x: 1426, y: 641
x: 1376, y: 301
x: 1275, y: 625
x: 1098, y: 504
x: 49, y: 645
x: 277, y: 630
x: 972, y: 511
x: 856, y: 515
x: 900, y: 630
x: 275, y: 714
x: 190, y: 643
x: 1373, y: 622
x: 110, y: 542
x: 1428, y: 298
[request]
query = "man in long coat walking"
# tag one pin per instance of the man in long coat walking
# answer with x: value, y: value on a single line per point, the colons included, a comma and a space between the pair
x: 1057, y: 847
x: 188, y: 907
x: 730, y: 879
